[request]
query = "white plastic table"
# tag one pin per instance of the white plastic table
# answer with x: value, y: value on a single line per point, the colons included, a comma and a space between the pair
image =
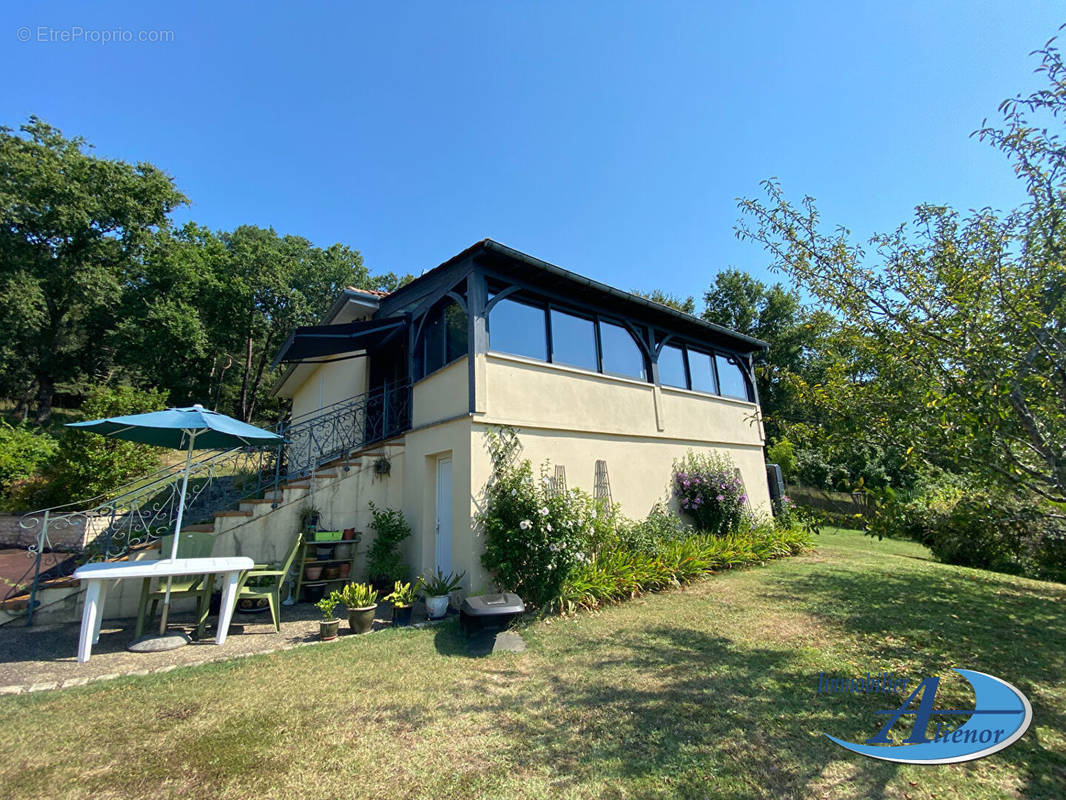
x: 98, y: 576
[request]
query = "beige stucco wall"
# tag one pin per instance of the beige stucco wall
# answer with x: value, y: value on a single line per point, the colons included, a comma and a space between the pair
x: 533, y: 394
x: 422, y: 448
x: 442, y: 395
x: 329, y: 383
x: 573, y: 417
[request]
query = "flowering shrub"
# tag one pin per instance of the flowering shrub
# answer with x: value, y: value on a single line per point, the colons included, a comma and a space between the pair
x: 784, y: 512
x: 534, y: 537
x: 710, y: 492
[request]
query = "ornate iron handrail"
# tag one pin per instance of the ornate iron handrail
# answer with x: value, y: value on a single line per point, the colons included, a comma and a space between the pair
x: 147, y: 509
x: 336, y: 430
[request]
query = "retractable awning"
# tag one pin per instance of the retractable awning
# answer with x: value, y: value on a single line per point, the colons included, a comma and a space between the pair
x: 320, y: 341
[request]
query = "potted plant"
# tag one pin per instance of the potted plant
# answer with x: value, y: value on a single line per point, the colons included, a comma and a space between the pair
x: 330, y: 623
x: 309, y: 516
x: 362, y: 601
x: 403, y: 601
x: 438, y: 589
x: 384, y: 561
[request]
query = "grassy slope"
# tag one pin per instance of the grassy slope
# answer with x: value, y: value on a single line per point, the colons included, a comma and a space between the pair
x: 707, y: 692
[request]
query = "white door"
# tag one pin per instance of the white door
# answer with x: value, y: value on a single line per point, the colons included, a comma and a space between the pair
x: 444, y: 515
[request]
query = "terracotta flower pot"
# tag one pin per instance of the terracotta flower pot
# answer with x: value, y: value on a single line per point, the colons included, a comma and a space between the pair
x: 331, y: 573
x: 361, y: 620
x: 312, y: 573
x: 345, y: 570
x: 348, y: 534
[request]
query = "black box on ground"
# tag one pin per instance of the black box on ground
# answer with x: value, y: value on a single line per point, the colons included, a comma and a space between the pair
x: 489, y: 612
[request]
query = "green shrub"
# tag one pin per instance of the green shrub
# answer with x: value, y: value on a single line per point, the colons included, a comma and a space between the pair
x: 783, y: 453
x: 24, y: 452
x: 622, y: 574
x: 88, y: 464
x: 384, y: 562
x: 709, y: 490
x: 661, y: 527
x: 982, y: 528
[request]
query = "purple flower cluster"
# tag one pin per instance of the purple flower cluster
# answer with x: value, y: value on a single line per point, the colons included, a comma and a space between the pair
x: 714, y: 498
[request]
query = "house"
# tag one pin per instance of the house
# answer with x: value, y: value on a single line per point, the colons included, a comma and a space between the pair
x: 608, y: 386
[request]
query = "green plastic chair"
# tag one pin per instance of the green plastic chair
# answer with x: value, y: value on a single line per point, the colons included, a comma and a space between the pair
x: 192, y: 544
x: 271, y: 591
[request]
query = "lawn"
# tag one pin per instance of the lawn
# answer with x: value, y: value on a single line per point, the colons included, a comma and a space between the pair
x: 702, y: 692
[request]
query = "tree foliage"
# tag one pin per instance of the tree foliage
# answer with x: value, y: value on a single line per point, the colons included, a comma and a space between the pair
x: 88, y: 465
x: 686, y: 305
x: 951, y: 341
x: 796, y: 336
x: 96, y: 286
x: 74, y: 228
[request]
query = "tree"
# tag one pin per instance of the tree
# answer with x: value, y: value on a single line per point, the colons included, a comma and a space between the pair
x: 167, y: 334
x: 795, y: 334
x: 685, y: 305
x: 268, y: 285
x: 73, y: 226
x: 956, y: 322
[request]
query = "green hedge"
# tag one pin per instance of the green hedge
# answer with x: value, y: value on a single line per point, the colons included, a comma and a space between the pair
x: 619, y: 575
x: 982, y: 528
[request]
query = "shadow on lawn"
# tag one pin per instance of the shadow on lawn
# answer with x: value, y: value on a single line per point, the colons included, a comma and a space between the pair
x: 684, y: 713
x: 961, y: 618
x: 681, y: 712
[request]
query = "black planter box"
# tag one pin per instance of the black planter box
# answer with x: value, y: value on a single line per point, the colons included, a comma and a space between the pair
x: 489, y: 612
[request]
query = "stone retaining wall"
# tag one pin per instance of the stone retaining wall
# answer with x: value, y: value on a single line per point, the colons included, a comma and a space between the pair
x: 67, y: 533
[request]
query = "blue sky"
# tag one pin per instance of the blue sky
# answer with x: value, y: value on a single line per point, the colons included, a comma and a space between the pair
x: 610, y: 138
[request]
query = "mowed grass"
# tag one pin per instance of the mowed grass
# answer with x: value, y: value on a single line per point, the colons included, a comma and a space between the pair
x: 703, y: 692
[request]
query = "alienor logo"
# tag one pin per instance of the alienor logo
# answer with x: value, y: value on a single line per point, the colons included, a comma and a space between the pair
x: 1001, y: 714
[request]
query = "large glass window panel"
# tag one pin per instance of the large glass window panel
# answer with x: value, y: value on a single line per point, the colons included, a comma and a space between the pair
x: 519, y: 329
x: 433, y: 342
x: 731, y: 378
x: 455, y: 332
x: 573, y: 340
x: 672, y: 367
x: 621, y: 353
x: 701, y: 371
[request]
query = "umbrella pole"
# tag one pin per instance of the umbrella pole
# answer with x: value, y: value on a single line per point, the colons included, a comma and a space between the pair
x: 177, y: 531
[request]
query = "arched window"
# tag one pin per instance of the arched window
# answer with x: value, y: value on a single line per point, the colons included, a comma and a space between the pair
x: 443, y: 338
x: 621, y: 354
x: 731, y: 380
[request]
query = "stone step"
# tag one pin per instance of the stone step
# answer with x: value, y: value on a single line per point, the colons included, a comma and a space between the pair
x: 233, y: 513
x: 295, y: 485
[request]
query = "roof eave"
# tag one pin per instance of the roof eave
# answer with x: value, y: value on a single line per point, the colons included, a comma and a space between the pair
x: 518, y: 255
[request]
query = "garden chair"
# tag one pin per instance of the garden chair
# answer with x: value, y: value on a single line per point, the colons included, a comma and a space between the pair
x: 264, y: 583
x: 190, y: 545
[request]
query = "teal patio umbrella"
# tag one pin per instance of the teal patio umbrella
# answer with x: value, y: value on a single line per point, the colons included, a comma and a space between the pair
x: 194, y: 428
